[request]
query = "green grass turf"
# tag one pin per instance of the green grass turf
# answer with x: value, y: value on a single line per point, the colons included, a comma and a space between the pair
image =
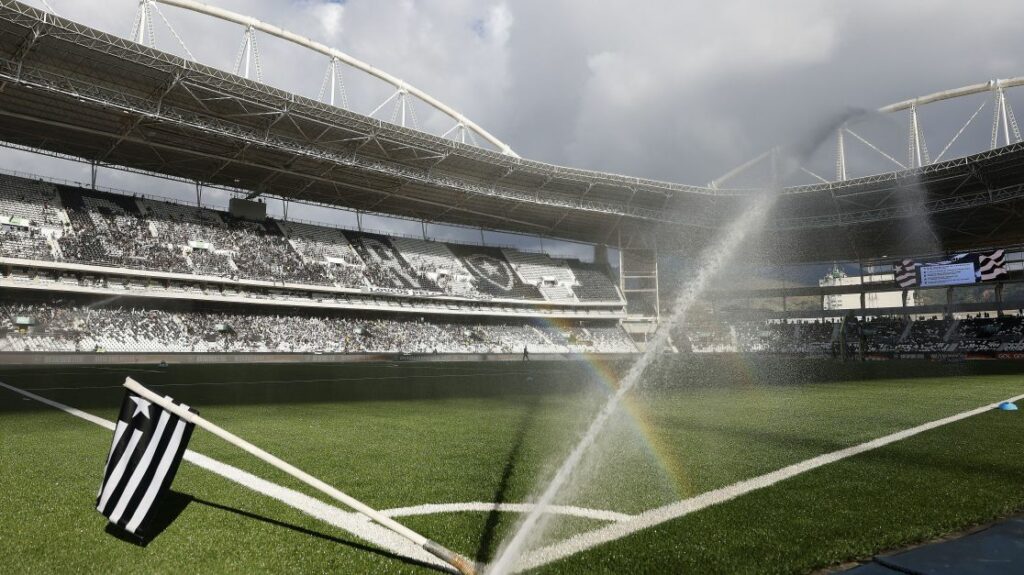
x: 939, y: 482
x: 399, y: 434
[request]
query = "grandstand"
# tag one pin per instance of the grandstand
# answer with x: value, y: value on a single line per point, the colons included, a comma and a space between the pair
x: 82, y: 242
x: 63, y: 239
x: 106, y: 229
x: 413, y: 174
x: 879, y: 337
x: 77, y: 324
x: 84, y: 239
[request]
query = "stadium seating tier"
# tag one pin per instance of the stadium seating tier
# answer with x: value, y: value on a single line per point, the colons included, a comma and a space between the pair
x: 56, y: 222
x: 58, y: 324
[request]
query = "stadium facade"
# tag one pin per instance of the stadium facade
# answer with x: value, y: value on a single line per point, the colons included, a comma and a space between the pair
x: 70, y: 91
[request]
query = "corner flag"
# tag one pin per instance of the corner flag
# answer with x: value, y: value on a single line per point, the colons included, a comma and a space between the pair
x: 144, y: 456
x: 138, y: 443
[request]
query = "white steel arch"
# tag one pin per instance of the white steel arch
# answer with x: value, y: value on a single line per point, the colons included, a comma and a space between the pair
x: 402, y: 88
x: 954, y: 93
x: 1005, y: 131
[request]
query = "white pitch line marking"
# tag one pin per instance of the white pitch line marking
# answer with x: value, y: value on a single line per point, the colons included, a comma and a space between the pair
x: 621, y: 525
x: 354, y: 523
x: 347, y: 521
x: 587, y: 540
x: 481, y: 506
x: 351, y: 522
x: 65, y: 408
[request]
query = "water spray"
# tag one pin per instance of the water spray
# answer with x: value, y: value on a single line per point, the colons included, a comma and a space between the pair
x: 717, y: 254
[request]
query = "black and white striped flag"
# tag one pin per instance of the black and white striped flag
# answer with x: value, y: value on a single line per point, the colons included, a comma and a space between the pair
x: 144, y: 456
x: 905, y: 273
x: 991, y: 266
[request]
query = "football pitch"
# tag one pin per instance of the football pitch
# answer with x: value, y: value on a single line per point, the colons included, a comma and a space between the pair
x: 453, y: 449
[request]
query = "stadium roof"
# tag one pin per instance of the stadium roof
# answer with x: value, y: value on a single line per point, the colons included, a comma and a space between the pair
x: 69, y: 90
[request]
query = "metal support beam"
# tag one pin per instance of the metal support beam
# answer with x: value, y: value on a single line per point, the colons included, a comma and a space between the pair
x: 143, y: 23
x: 840, y: 155
x: 25, y: 48
x: 638, y: 275
x: 1000, y: 119
x: 247, y: 57
x: 918, y: 155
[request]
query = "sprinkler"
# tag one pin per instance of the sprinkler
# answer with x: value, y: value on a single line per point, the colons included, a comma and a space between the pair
x: 464, y: 565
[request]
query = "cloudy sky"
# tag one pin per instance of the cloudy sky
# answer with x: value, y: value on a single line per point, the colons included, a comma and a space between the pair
x: 675, y: 90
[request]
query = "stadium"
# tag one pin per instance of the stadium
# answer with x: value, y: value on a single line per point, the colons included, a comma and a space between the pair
x: 475, y: 362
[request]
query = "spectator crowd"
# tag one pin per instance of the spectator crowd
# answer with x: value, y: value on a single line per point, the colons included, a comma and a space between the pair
x: 56, y: 222
x: 63, y: 325
x: 978, y: 333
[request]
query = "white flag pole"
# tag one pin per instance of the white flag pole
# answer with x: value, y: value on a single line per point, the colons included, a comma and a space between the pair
x: 461, y: 563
